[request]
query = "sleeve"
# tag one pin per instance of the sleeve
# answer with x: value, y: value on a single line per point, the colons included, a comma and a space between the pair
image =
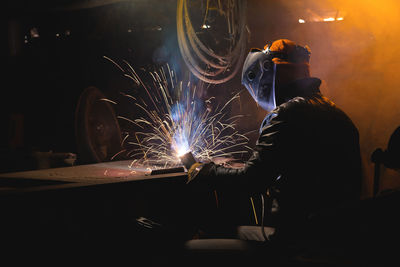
x: 260, y: 170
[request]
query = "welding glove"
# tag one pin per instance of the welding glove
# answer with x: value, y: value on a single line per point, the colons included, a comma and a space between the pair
x: 200, y: 176
x: 194, y: 171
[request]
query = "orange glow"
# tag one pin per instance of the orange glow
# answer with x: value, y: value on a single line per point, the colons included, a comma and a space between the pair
x: 364, y: 80
x: 358, y: 59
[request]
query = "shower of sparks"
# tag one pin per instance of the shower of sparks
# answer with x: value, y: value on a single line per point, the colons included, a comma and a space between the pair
x: 177, y: 122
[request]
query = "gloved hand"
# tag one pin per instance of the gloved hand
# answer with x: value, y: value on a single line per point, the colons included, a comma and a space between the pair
x: 194, y: 170
x: 201, y: 176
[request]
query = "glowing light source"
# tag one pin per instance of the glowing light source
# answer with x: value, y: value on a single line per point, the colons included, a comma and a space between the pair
x: 177, y: 122
x: 329, y: 19
x: 302, y: 21
x: 180, y: 145
x: 340, y: 18
x: 182, y: 151
x: 205, y: 26
x: 34, y: 32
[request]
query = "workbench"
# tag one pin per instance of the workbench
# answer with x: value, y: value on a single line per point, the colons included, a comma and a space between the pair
x: 86, y: 209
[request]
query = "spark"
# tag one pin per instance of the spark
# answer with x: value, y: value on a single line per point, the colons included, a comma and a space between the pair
x: 175, y: 122
x: 108, y: 100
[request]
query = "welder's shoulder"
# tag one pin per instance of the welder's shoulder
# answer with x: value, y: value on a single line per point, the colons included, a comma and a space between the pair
x: 290, y: 108
x: 295, y: 104
x: 300, y: 108
x: 281, y: 117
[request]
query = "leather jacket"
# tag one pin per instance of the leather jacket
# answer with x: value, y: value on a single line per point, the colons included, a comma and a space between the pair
x: 307, y: 157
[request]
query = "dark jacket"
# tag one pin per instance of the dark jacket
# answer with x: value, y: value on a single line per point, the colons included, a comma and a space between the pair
x: 307, y: 157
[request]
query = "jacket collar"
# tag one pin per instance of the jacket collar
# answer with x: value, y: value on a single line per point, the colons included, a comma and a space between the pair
x: 306, y: 87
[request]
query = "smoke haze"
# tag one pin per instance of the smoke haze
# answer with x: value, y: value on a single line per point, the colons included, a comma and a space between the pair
x: 357, y: 58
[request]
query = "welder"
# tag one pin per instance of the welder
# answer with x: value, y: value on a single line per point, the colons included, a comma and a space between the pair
x: 305, y: 166
x: 306, y: 163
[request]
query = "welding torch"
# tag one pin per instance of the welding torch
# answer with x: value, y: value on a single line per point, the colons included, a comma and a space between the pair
x: 187, y: 160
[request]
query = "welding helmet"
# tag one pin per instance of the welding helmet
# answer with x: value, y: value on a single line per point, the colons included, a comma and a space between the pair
x: 265, y: 71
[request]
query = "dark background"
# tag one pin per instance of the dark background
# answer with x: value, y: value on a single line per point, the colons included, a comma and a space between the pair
x: 43, y: 77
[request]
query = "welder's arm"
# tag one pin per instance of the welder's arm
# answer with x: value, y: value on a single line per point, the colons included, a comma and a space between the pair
x: 259, y: 171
